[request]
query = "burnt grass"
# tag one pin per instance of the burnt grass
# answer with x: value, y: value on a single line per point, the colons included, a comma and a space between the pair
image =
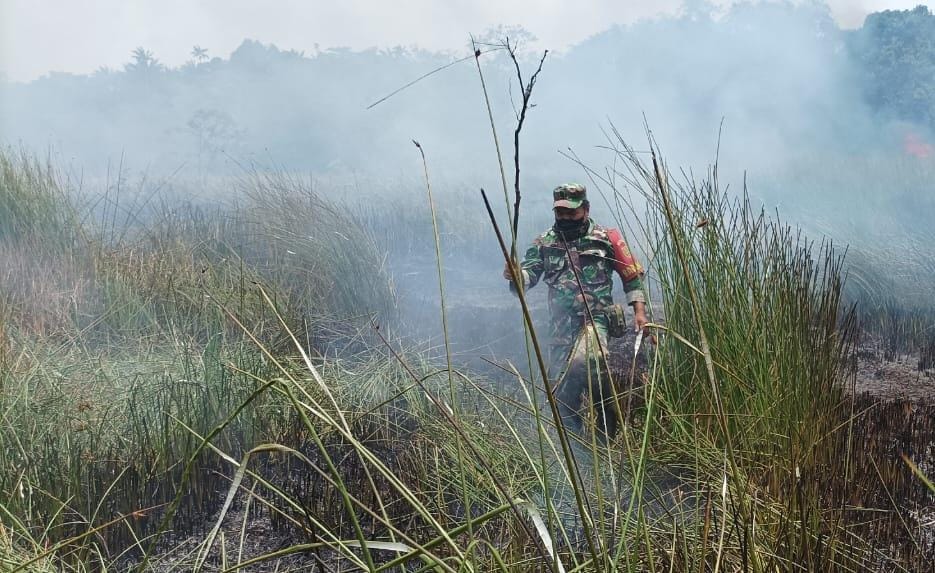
x: 892, y: 418
x: 887, y: 504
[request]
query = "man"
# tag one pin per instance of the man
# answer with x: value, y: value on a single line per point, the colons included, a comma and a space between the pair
x: 576, y: 259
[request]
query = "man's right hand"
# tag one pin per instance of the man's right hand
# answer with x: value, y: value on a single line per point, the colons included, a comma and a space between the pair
x: 506, y: 272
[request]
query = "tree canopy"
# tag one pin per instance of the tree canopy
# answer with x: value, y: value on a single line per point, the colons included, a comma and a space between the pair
x: 785, y: 78
x: 895, y: 54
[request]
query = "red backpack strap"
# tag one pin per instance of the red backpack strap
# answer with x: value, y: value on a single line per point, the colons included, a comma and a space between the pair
x: 624, y: 261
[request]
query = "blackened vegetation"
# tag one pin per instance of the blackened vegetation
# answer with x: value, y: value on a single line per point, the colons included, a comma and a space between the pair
x: 312, y: 510
x: 897, y: 332
x: 894, y: 508
x: 629, y: 371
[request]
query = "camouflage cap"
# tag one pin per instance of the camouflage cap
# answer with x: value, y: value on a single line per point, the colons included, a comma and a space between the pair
x: 569, y: 196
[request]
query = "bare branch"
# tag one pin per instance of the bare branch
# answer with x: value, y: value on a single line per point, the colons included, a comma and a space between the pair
x: 520, y: 120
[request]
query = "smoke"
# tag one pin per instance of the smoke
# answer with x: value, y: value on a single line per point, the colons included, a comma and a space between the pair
x: 777, y: 74
x: 778, y: 77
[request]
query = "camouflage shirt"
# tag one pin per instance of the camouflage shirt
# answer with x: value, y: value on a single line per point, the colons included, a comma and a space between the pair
x: 548, y: 261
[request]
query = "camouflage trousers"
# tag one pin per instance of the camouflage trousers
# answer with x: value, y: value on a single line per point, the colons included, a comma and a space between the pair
x: 582, y: 384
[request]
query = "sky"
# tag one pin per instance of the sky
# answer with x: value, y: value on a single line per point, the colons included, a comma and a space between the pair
x: 42, y: 36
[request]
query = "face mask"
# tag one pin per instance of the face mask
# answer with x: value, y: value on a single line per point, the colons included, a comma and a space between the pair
x: 571, y: 229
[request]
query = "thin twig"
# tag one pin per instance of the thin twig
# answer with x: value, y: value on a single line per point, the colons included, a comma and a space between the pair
x: 425, y: 75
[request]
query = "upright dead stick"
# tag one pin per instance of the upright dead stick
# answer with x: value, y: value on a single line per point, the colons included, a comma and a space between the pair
x: 520, y: 119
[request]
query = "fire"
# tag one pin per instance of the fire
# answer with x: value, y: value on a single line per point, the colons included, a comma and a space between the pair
x: 914, y: 145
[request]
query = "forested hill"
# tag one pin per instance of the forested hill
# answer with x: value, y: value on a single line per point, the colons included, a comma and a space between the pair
x: 895, y: 55
x: 786, y: 80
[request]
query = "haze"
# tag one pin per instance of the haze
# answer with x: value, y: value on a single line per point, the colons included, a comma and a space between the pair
x: 814, y: 114
x: 79, y: 37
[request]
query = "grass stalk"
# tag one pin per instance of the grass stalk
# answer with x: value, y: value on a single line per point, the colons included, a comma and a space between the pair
x: 567, y: 455
x: 453, y: 395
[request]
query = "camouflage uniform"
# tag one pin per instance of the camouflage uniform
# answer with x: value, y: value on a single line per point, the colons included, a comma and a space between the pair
x: 578, y: 327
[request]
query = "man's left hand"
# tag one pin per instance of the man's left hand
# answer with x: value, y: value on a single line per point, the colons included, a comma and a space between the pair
x: 639, y: 316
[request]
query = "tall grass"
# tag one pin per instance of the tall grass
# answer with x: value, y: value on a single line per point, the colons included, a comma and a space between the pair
x: 753, y: 366
x: 33, y: 204
x: 116, y: 352
x: 217, y: 368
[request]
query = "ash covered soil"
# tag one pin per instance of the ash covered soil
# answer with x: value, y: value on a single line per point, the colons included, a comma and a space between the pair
x: 891, y: 375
